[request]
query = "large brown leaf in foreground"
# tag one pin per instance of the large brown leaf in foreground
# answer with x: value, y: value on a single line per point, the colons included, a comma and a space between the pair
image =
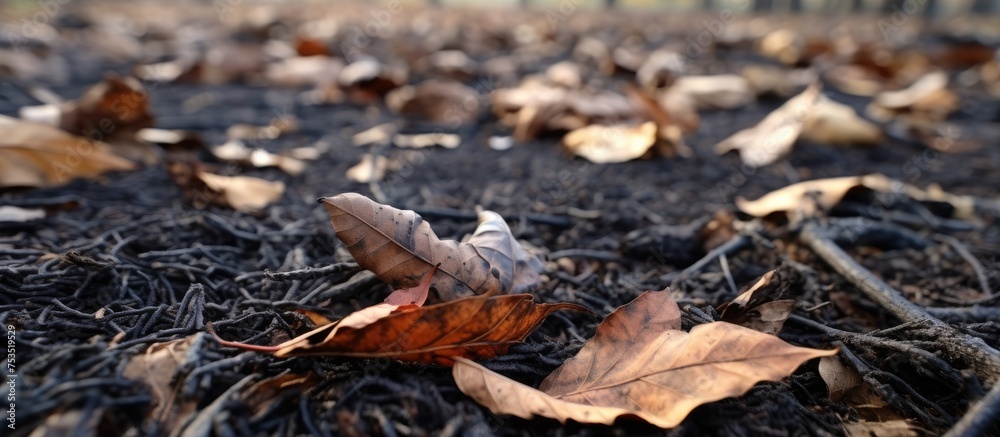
x: 37, y: 155
x: 472, y: 327
x: 637, y: 365
x: 399, y: 245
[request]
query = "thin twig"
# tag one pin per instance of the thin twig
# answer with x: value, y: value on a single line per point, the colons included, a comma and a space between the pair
x: 729, y: 275
x: 984, y: 282
x: 311, y: 272
x: 734, y: 244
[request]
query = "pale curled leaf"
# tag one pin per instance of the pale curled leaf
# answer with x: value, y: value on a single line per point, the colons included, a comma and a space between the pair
x: 397, y: 244
x: 760, y: 307
x: 836, y: 123
x: 611, y: 144
x: 772, y: 138
x: 242, y: 193
x: 634, y: 366
x: 805, y: 197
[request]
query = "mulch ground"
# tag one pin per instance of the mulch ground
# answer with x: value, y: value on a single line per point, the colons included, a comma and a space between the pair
x: 133, y: 264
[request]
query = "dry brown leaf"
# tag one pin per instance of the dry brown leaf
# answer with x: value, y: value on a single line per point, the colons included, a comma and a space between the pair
x: 835, y: 123
x: 38, y: 155
x: 367, y: 79
x: 769, y: 80
x: 839, y: 378
x: 157, y: 367
x: 243, y: 193
x: 772, y: 138
x: 803, y: 198
x: 723, y: 91
x: 639, y: 364
x: 927, y: 98
x: 372, y: 168
x: 471, y: 327
x: 396, y: 245
x: 276, y: 128
x: 110, y: 111
x: 441, y: 101
x: 892, y: 428
x: 610, y: 144
x: 760, y: 307
x: 377, y: 135
x: 660, y: 69
x: 303, y: 70
x: 420, y: 141
x: 237, y: 151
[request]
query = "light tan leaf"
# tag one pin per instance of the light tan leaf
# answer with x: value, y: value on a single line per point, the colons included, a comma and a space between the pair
x: 610, y: 144
x: 760, y: 307
x: 242, y: 193
x: 371, y: 168
x: 772, y: 138
x: 396, y: 245
x: 38, y: 155
x: 237, y: 151
x: 636, y: 365
x: 769, y: 80
x: 723, y: 91
x: 839, y: 378
x: 303, y: 70
x: 835, y: 123
x: 420, y: 141
x: 805, y: 197
x: 892, y: 428
x: 276, y: 128
x: 157, y: 367
x: 378, y: 135
x: 927, y: 98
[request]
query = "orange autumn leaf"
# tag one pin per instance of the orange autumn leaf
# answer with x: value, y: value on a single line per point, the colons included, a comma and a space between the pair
x: 636, y: 365
x: 473, y: 327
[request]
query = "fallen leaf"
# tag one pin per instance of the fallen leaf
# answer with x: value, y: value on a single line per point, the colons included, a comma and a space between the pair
x: 420, y: 141
x: 157, y: 367
x: 723, y: 91
x: 892, y: 428
x: 831, y: 122
x: 372, y: 168
x: 928, y: 98
x: 760, y: 307
x: 276, y: 128
x: 303, y: 70
x: 396, y: 244
x: 772, y: 138
x: 471, y: 327
x: 839, y: 378
x: 639, y: 364
x: 367, y: 79
x: 110, y: 111
x: 660, y: 69
x: 804, y: 198
x: 237, y: 151
x: 262, y: 395
x: 16, y: 214
x: 611, y: 144
x: 242, y: 193
x: 770, y: 80
x: 38, y: 155
x: 378, y: 135
x: 436, y: 100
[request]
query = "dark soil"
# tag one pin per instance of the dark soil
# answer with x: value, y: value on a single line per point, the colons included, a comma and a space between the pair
x: 155, y: 269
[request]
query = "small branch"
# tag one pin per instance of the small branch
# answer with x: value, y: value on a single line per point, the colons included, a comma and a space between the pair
x: 984, y: 282
x: 982, y: 418
x: 983, y: 359
x: 585, y: 253
x: 736, y: 243
x: 310, y: 272
x: 877, y: 290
